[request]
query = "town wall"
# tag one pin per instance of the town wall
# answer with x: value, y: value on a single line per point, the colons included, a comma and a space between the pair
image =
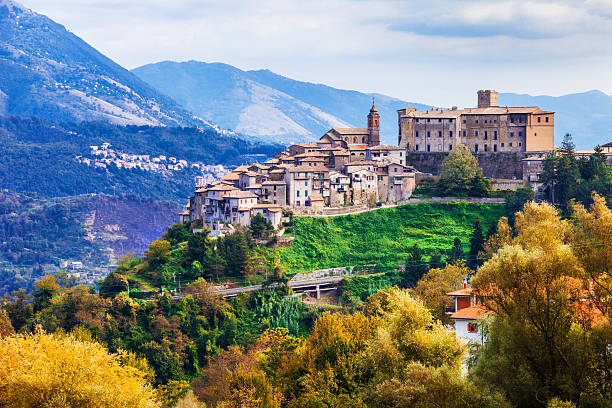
x: 499, y: 165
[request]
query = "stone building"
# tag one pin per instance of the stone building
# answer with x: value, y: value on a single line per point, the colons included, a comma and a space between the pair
x: 487, y: 128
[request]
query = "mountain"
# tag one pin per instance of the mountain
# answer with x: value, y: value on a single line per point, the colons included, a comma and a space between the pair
x: 587, y: 116
x: 47, y: 71
x: 266, y: 105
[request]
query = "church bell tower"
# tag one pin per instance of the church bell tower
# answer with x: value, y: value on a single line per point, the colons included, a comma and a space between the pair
x: 373, y: 126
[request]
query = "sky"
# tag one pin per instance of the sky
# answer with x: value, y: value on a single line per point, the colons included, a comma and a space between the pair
x: 437, y: 52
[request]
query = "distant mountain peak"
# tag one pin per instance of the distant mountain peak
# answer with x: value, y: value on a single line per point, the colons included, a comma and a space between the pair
x: 12, y: 6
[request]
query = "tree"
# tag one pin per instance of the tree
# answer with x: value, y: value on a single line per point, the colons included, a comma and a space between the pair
x: 460, y: 174
x: 456, y: 253
x: 45, y: 370
x: 158, y: 253
x: 560, y: 172
x: 477, y: 241
x: 516, y: 201
x: 113, y: 283
x: 435, y: 284
x: 435, y: 261
x: 44, y: 291
x: 415, y: 266
x: 545, y: 340
x: 258, y: 225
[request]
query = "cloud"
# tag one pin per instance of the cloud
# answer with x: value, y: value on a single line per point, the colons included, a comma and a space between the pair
x: 515, y: 19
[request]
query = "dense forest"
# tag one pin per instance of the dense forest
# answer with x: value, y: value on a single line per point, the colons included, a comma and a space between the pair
x: 36, y: 233
x: 545, y: 279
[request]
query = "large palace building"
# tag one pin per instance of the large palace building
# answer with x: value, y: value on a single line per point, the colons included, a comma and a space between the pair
x: 487, y: 128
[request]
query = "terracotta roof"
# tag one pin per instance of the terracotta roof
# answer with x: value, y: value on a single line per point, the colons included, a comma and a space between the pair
x: 316, y: 198
x: 343, y: 153
x: 493, y: 110
x: 259, y: 166
x: 272, y: 161
x: 312, y: 154
x: 222, y: 187
x: 270, y: 207
x: 231, y: 176
x: 184, y: 213
x: 385, y: 147
x: 254, y: 186
x: 273, y: 183
x: 300, y: 169
x: 471, y: 313
x: 351, y: 131
x: 461, y: 292
x: 241, y: 168
x: 241, y: 194
x: 250, y: 174
x: 362, y: 163
x: 358, y: 147
x: 306, y: 145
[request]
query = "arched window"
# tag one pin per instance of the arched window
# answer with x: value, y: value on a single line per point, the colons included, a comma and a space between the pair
x: 354, y: 140
x: 363, y: 140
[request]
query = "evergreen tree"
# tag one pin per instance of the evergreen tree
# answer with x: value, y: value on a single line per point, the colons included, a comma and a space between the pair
x: 416, y: 267
x: 476, y: 245
x: 435, y: 261
x: 258, y: 225
x: 456, y: 253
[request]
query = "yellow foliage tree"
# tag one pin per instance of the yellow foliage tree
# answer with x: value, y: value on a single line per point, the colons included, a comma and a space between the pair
x: 435, y: 284
x: 43, y: 370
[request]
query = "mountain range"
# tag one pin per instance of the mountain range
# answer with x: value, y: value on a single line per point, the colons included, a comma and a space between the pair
x: 266, y: 105
x: 47, y: 71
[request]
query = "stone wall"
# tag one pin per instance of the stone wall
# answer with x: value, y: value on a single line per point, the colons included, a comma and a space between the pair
x: 502, y: 165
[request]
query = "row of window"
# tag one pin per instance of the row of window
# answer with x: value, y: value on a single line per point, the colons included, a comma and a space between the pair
x: 476, y: 134
x: 450, y: 147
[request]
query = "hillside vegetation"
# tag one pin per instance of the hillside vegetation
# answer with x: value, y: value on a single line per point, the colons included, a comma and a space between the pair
x: 384, y: 236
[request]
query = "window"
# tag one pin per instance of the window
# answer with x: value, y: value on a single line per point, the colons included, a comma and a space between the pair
x: 476, y: 120
x: 427, y: 120
x: 401, y: 153
x: 450, y: 147
x: 306, y: 183
x: 464, y: 133
x: 486, y: 121
x: 486, y: 135
x: 510, y: 144
x: 429, y: 148
x: 502, y: 145
x: 464, y: 121
x: 475, y: 133
x: 486, y: 148
x: 439, y: 147
x: 546, y: 119
x: 495, y: 135
x: 297, y: 193
x: 539, y: 119
x: 535, y: 134
x: 416, y: 133
x: 439, y: 133
x: 494, y: 147
x: 428, y: 133
x: 520, y: 144
x: 306, y: 193
x: 476, y: 147
x: 472, y: 327
x: 511, y: 134
x: 439, y: 120
x: 416, y: 148
x: 450, y: 134
x: 520, y: 135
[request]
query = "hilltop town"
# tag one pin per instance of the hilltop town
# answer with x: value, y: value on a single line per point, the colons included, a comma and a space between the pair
x: 349, y: 166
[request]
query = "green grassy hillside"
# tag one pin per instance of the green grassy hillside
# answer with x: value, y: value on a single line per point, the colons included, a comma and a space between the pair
x: 383, y: 236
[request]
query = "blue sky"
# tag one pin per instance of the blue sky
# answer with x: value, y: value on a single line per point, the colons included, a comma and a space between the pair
x: 432, y: 51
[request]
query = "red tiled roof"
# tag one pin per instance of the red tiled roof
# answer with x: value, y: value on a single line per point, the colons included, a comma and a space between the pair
x: 471, y: 313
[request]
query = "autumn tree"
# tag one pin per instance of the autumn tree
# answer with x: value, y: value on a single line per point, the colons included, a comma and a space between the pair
x: 435, y: 284
x: 540, y: 345
x: 44, y: 291
x: 44, y: 370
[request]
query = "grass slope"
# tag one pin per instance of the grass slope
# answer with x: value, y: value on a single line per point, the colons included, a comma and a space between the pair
x: 383, y: 236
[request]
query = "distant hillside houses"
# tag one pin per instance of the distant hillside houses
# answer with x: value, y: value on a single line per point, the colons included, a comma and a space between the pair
x: 351, y: 167
x: 104, y: 155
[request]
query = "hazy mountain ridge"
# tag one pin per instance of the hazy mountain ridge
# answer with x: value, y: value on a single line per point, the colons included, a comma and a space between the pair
x: 49, y: 72
x: 267, y: 105
x: 586, y: 115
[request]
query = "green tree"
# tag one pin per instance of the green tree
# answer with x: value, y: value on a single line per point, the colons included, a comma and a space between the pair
x: 258, y: 225
x: 477, y: 241
x: 456, y: 253
x: 45, y: 290
x: 516, y: 201
x: 460, y: 174
x: 416, y: 266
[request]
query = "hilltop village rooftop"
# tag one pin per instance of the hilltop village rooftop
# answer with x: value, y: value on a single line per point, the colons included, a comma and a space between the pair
x: 351, y: 167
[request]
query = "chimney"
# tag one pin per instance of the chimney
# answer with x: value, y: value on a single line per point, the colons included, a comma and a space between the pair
x: 487, y: 98
x: 454, y: 108
x: 465, y: 283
